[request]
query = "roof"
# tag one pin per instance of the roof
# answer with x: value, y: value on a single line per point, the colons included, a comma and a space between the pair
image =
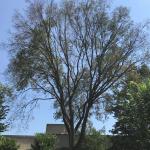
x: 56, y: 129
x: 19, y: 136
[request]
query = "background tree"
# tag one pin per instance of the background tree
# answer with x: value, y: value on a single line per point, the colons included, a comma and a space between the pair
x: 132, y: 110
x: 4, y: 93
x: 73, y: 54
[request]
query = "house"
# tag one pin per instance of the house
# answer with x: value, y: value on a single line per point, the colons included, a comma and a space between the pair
x: 58, y: 129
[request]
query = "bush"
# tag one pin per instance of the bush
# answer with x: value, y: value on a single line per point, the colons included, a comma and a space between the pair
x: 96, y: 141
x: 44, y: 142
x: 7, y: 144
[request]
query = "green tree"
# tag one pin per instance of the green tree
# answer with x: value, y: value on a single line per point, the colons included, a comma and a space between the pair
x: 4, y: 93
x: 44, y: 142
x: 73, y: 54
x: 132, y: 111
x: 7, y: 144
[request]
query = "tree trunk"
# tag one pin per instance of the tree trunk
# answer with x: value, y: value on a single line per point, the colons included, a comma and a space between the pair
x: 71, y: 141
x: 83, y: 129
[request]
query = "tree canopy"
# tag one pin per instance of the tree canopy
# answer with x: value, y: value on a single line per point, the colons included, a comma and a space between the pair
x: 73, y: 53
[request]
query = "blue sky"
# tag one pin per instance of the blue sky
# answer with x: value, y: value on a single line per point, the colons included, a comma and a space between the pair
x: 140, y: 11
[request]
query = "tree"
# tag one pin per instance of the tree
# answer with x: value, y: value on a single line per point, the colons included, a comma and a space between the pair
x: 132, y: 111
x: 73, y: 53
x: 44, y: 142
x: 4, y: 93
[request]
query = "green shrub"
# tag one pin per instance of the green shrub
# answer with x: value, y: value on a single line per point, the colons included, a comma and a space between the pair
x: 7, y: 144
x: 44, y: 142
x: 96, y: 141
